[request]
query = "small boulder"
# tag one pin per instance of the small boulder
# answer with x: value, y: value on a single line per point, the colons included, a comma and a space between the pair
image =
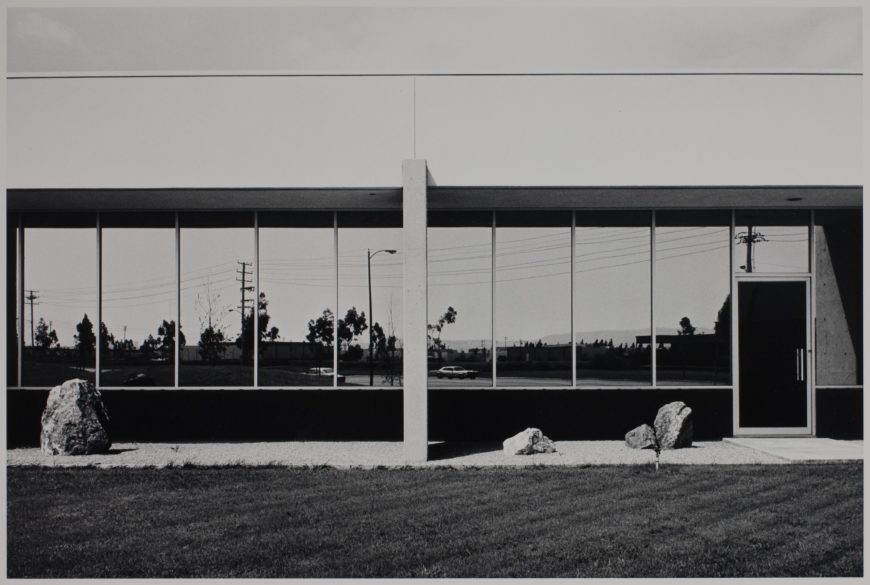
x: 527, y: 442
x: 674, y: 426
x: 74, y: 420
x: 643, y: 437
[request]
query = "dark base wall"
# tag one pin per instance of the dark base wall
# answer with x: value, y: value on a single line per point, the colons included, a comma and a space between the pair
x: 166, y: 416
x: 376, y: 415
x: 839, y: 413
x: 457, y: 415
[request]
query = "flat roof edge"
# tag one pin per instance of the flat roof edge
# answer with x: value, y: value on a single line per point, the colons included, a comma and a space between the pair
x: 458, y: 198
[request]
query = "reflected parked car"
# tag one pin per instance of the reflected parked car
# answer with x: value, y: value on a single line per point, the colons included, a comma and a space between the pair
x: 454, y: 372
x: 326, y: 373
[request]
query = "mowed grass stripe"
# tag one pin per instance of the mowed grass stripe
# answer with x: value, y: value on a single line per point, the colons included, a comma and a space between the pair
x: 588, y: 522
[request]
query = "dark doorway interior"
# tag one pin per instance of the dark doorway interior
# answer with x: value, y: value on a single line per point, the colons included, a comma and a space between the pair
x: 773, y: 354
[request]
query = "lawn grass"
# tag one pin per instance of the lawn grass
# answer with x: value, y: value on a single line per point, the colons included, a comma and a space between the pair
x: 684, y: 521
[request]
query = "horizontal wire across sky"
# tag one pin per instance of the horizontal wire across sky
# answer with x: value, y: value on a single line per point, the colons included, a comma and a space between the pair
x: 273, y: 271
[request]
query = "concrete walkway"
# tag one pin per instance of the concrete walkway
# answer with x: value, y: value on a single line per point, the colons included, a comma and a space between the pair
x: 368, y: 455
x: 804, y: 449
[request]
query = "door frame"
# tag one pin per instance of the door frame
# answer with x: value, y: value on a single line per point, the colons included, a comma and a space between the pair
x: 809, y: 429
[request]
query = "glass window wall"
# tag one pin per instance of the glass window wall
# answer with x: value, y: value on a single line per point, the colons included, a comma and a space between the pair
x: 533, y: 299
x: 217, y: 299
x: 138, y: 300
x: 460, y: 299
x: 692, y: 298
x: 60, y: 299
x: 612, y: 298
x: 297, y: 292
x: 369, y: 326
x: 772, y: 241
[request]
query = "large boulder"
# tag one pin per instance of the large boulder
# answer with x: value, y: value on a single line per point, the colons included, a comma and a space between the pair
x: 674, y: 426
x: 74, y: 420
x: 527, y: 442
x: 643, y: 437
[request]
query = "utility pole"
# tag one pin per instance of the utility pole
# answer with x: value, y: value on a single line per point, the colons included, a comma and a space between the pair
x: 749, y: 249
x: 30, y: 298
x: 244, y: 275
x: 749, y: 238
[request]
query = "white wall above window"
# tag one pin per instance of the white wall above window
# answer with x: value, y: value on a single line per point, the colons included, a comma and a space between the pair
x: 641, y: 130
x: 354, y: 132
x: 208, y: 132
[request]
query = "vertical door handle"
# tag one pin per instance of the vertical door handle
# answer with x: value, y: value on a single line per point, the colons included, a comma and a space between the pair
x: 800, y: 373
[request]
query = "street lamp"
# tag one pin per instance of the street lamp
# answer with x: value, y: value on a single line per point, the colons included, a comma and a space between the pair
x: 371, y: 320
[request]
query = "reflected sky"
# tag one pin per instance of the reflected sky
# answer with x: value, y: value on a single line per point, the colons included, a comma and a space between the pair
x: 533, y: 277
x: 533, y: 284
x: 210, y: 279
x: 136, y: 303
x: 297, y: 275
x: 691, y: 276
x: 61, y: 264
x: 353, y: 245
x: 460, y: 276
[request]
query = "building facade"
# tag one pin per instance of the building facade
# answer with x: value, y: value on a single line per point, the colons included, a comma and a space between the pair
x: 583, y: 247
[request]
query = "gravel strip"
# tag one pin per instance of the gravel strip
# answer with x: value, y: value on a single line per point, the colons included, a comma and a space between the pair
x: 387, y: 454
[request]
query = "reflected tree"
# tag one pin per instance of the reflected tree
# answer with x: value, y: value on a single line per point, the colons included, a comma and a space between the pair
x: 245, y: 341
x: 686, y: 327
x: 46, y: 336
x: 211, y: 344
x: 107, y: 340
x: 211, y: 337
x: 433, y: 331
x: 161, y: 346
x: 85, y: 339
x: 722, y: 328
x: 321, y: 333
x: 349, y: 328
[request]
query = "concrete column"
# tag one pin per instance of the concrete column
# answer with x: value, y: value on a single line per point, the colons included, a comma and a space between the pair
x: 414, y: 367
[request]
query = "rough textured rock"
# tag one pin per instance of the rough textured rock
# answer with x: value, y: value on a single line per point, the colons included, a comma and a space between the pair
x: 527, y: 442
x: 674, y: 426
x: 643, y: 437
x: 74, y: 420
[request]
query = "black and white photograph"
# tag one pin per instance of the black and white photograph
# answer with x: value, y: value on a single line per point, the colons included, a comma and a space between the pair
x: 307, y: 290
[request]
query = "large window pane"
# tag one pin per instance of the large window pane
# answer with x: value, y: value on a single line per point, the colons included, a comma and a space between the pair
x: 839, y: 310
x: 12, y: 315
x: 217, y: 299
x: 362, y: 235
x: 612, y: 299
x: 692, y: 301
x: 139, y: 302
x: 60, y: 287
x: 533, y: 299
x: 460, y: 300
x: 772, y: 241
x: 297, y: 287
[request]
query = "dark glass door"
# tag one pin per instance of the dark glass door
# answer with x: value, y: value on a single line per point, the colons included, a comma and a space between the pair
x: 773, y: 354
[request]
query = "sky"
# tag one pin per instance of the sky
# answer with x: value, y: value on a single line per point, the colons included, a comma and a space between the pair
x: 311, y: 39
x: 395, y: 40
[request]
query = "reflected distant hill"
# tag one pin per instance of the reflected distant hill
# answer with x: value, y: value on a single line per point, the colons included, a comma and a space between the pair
x: 619, y: 336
